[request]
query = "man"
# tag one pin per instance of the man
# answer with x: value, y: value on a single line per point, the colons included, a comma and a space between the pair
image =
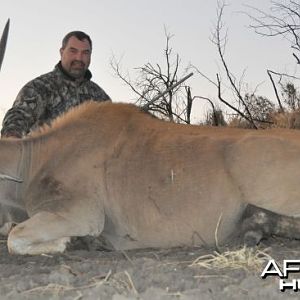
x: 49, y: 95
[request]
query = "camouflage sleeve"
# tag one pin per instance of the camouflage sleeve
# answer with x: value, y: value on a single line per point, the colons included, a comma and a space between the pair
x: 98, y: 93
x: 26, y: 110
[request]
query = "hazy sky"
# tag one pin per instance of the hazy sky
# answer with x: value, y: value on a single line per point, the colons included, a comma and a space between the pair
x: 134, y: 30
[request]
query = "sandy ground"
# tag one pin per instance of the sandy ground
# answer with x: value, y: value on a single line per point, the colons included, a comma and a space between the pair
x: 148, y: 274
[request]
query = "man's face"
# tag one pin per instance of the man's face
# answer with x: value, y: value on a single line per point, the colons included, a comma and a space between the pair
x: 76, y: 57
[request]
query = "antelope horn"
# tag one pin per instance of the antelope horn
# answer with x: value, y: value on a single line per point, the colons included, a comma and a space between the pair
x: 3, y: 42
x: 8, y: 177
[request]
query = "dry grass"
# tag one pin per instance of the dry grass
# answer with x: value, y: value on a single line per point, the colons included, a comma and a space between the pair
x: 249, y: 259
x: 244, y: 258
x: 289, y: 120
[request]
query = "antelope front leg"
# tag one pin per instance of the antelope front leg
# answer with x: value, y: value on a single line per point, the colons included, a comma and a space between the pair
x: 43, y: 233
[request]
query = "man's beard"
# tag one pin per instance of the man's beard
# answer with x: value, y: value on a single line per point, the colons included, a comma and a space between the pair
x: 77, y: 69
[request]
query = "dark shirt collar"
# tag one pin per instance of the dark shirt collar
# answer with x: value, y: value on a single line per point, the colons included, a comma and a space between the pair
x: 87, y: 75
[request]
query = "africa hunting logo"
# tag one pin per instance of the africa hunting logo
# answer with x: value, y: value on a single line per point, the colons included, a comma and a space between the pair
x: 289, y: 266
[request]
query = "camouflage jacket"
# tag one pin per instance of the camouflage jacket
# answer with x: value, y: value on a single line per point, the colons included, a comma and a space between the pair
x: 45, y: 98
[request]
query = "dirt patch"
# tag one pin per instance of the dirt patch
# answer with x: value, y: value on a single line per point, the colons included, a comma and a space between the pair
x: 143, y: 274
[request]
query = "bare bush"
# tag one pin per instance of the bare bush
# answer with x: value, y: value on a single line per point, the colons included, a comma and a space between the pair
x: 154, y: 79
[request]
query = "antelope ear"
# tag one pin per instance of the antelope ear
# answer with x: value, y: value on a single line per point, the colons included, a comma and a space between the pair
x: 8, y: 177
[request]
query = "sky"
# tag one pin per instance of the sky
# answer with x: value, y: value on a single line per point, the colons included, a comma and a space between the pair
x: 133, y: 31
